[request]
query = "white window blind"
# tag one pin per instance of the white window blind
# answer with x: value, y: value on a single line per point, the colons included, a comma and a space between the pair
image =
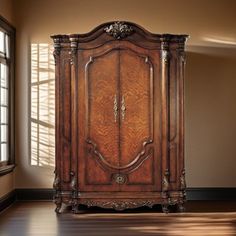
x: 4, y: 96
x: 42, y: 116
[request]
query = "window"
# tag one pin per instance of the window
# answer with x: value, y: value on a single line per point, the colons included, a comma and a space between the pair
x: 7, y: 37
x: 42, y: 118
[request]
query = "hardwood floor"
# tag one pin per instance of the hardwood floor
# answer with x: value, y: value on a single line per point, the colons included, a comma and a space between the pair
x: 39, y: 219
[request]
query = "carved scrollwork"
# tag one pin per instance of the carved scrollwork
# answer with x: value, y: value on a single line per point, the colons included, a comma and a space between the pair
x: 119, y: 30
x: 120, y: 205
x: 182, y: 180
x: 165, y: 181
x: 56, y: 182
x: 73, y: 181
x: 56, y: 55
x: 132, y: 164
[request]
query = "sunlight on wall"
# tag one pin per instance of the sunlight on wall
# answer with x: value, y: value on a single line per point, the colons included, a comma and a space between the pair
x: 42, y: 105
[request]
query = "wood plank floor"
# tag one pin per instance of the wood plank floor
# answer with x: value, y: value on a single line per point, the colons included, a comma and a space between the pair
x: 39, y: 219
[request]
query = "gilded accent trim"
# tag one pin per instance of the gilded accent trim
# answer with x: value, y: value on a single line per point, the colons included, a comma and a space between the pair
x: 119, y: 30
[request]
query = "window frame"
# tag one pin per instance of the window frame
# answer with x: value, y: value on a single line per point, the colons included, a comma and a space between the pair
x: 9, y: 165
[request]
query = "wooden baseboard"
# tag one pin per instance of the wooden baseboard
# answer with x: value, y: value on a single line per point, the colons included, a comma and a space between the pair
x: 193, y: 194
x: 201, y: 194
x: 7, y: 200
x: 44, y: 194
x: 211, y: 194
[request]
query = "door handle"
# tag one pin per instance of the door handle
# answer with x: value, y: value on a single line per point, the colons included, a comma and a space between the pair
x: 123, y: 108
x: 115, y: 108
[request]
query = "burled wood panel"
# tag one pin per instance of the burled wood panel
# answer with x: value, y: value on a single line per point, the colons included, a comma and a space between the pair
x: 136, y: 117
x: 136, y: 96
x: 102, y: 120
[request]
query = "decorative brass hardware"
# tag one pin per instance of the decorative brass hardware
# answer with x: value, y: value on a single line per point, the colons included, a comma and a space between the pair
x: 123, y: 108
x: 119, y: 178
x: 115, y: 108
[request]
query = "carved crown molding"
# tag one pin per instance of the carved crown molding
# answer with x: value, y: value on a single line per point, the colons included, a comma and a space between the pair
x: 119, y: 30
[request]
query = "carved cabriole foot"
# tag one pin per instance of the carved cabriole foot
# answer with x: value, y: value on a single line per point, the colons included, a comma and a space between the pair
x: 58, y: 203
x: 180, y: 207
x: 75, y: 208
x: 165, y: 208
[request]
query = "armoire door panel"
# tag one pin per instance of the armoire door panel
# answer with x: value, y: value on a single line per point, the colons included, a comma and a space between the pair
x: 145, y: 169
x: 136, y: 121
x: 101, y: 120
x: 136, y: 105
x: 98, y: 176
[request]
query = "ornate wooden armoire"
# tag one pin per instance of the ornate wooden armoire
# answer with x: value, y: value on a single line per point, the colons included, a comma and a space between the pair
x: 119, y: 118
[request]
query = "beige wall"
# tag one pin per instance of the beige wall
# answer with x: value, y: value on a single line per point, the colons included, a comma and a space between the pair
x: 6, y: 10
x: 6, y: 181
x: 210, y: 75
x: 6, y: 184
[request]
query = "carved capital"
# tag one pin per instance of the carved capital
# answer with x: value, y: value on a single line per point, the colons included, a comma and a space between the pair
x: 74, y: 47
x: 165, y: 53
x: 57, y: 50
x: 119, y: 30
x: 181, y: 52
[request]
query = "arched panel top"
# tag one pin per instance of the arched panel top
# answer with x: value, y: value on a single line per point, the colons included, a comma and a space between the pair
x: 117, y: 30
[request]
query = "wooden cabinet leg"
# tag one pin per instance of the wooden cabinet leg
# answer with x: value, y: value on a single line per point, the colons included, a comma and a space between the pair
x: 180, y: 207
x: 75, y: 208
x: 58, y: 207
x: 165, y: 208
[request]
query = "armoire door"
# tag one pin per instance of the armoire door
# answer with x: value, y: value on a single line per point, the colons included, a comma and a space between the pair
x: 117, y: 142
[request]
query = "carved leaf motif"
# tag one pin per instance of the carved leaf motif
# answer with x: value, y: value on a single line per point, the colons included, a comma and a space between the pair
x: 119, y: 30
x: 120, y: 205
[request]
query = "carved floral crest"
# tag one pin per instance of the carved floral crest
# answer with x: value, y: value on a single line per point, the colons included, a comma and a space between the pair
x: 119, y: 30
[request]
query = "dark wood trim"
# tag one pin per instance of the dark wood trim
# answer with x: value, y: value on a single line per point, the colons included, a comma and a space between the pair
x: 192, y: 194
x: 6, y: 169
x: 7, y: 200
x: 211, y: 194
x: 45, y: 194
x: 6, y: 24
